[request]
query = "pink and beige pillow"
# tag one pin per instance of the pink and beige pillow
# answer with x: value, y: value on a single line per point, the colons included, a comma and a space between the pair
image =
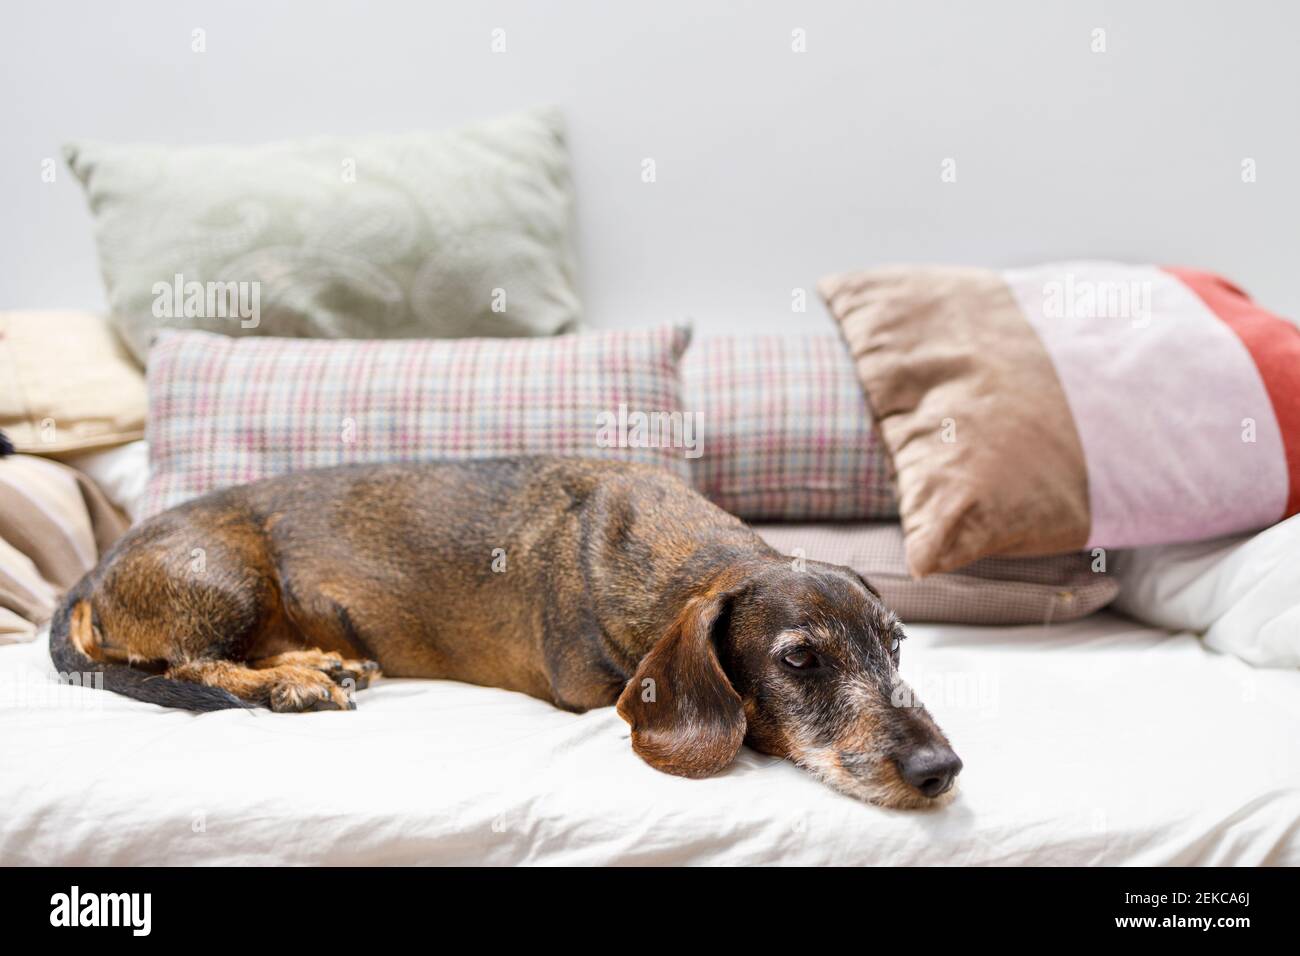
x: 789, y: 436
x: 1072, y: 406
x: 225, y: 411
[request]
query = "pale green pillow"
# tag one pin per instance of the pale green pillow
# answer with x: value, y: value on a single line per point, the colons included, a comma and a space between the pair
x: 417, y: 235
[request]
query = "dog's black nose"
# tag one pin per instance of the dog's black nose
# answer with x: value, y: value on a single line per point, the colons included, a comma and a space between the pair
x: 930, y: 769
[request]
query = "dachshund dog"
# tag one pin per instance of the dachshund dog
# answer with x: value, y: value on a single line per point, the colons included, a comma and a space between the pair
x: 583, y: 583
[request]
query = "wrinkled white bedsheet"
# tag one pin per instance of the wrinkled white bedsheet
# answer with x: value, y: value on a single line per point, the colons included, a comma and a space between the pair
x: 1242, y: 593
x: 1099, y: 741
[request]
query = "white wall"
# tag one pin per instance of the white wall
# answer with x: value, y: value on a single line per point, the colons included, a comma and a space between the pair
x: 773, y: 167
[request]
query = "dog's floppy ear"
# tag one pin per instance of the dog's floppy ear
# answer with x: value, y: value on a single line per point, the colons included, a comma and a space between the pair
x: 686, y: 718
x: 866, y: 584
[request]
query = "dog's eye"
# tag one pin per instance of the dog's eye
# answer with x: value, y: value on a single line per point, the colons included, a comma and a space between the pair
x: 800, y: 660
x: 896, y: 642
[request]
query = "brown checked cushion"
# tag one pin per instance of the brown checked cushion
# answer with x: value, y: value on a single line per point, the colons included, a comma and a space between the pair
x: 991, y: 591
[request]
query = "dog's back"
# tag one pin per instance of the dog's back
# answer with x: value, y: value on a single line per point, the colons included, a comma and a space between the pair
x: 550, y: 576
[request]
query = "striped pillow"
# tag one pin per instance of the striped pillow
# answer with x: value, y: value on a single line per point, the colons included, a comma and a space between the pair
x: 54, y: 525
x: 225, y: 411
x: 789, y: 435
x: 1071, y: 406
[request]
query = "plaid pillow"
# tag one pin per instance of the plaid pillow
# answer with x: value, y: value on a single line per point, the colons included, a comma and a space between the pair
x: 225, y: 411
x: 788, y: 433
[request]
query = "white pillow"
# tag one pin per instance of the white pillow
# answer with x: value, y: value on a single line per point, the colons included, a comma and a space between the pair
x: 1241, y: 593
x: 122, y: 473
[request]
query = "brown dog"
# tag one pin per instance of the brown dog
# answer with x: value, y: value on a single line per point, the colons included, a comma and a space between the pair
x: 582, y: 583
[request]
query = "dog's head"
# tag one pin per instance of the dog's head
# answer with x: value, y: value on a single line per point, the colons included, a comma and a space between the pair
x: 799, y: 663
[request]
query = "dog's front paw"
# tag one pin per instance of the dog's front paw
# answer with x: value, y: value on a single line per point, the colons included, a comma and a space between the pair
x: 308, y: 690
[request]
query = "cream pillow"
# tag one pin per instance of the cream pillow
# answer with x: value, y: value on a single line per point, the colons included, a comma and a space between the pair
x: 67, y: 383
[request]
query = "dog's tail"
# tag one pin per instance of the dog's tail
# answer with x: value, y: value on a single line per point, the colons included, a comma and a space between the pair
x: 72, y: 636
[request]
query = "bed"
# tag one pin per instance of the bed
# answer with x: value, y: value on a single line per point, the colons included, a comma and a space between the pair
x: 1075, y: 739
